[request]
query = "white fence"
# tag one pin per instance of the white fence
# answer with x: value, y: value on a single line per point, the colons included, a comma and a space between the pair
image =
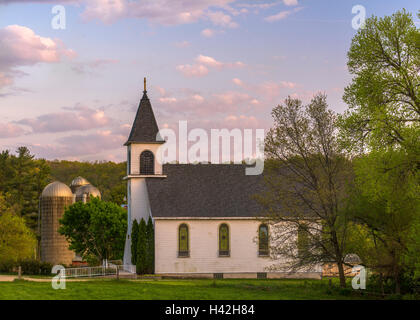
x: 102, y: 271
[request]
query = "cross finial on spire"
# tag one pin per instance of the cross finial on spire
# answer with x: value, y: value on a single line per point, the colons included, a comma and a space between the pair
x: 145, y: 84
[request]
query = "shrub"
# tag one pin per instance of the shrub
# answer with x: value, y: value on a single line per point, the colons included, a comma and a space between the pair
x: 7, y: 266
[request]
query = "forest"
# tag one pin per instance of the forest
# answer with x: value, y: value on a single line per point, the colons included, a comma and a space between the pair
x: 23, y: 177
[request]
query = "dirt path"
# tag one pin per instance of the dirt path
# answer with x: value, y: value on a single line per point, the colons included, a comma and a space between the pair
x: 4, y: 278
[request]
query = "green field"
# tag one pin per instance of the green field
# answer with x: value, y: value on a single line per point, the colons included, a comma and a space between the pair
x: 178, y: 289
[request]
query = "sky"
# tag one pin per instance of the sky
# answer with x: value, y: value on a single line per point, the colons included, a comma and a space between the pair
x: 72, y: 93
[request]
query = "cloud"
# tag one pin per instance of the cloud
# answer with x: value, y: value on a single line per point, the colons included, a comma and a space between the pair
x: 290, y: 2
x: 208, y: 33
x: 193, y: 70
x: 20, y: 46
x: 182, y: 44
x: 282, y: 15
x: 166, y: 12
x: 10, y: 130
x: 221, y: 19
x: 79, y: 118
x: 272, y: 89
x: 76, y: 147
x: 233, y: 98
x: 91, y: 66
x: 203, y: 64
x: 238, y: 82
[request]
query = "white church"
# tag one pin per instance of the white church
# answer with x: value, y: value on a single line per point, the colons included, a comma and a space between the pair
x: 206, y: 221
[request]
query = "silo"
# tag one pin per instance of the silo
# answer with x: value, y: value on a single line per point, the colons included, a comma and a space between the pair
x: 54, y: 247
x: 84, y: 193
x: 78, y: 182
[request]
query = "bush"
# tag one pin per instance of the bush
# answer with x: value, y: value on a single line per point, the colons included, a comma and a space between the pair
x: 35, y: 267
x: 7, y: 266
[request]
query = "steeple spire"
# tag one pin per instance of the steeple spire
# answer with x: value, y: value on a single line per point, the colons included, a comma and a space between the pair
x: 145, y: 128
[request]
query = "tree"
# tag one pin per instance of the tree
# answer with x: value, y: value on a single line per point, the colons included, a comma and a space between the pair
x: 150, y: 246
x: 384, y: 96
x: 382, y: 130
x: 141, y: 266
x: 386, y: 204
x: 17, y: 242
x: 23, y: 179
x: 95, y: 229
x: 306, y: 177
x: 134, y: 240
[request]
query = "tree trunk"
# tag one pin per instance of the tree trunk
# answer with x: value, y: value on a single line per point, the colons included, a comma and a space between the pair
x: 341, y: 274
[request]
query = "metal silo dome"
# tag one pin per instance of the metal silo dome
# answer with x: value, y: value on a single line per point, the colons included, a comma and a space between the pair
x: 54, y: 199
x: 89, y: 191
x: 78, y: 182
x: 56, y: 189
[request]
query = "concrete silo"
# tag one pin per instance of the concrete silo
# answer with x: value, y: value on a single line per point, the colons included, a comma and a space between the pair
x: 54, y: 247
x: 85, y: 192
x: 77, y: 183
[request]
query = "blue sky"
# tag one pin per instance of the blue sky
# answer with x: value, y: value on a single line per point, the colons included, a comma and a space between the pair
x: 73, y: 93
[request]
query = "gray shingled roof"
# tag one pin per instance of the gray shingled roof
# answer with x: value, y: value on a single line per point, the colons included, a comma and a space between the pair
x: 145, y: 128
x: 204, y: 190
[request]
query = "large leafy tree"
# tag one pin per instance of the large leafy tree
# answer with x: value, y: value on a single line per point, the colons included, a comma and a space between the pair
x: 95, y: 229
x: 382, y: 129
x: 384, y: 95
x: 385, y: 205
x: 17, y: 241
x: 22, y: 181
x: 306, y: 177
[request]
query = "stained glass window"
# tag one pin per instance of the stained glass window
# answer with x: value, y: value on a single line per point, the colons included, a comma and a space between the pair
x: 147, y: 162
x: 224, y: 240
x: 263, y: 240
x: 183, y: 248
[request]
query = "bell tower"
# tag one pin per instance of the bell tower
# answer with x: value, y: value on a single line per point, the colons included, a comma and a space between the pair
x: 143, y: 163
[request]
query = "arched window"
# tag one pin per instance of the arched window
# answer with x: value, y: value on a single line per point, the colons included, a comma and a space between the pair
x: 303, y: 240
x: 263, y: 240
x: 183, y: 241
x: 224, y: 247
x: 147, y: 162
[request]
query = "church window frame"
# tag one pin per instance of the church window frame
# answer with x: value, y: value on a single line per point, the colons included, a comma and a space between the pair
x: 263, y: 240
x: 147, y: 163
x: 224, y: 240
x: 183, y: 241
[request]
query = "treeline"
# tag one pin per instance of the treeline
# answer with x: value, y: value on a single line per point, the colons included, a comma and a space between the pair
x: 107, y: 176
x: 23, y: 178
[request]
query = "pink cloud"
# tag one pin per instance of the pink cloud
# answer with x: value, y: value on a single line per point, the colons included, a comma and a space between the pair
x: 208, y: 33
x: 10, y: 130
x: 195, y: 70
x: 20, y: 46
x: 221, y: 19
x: 182, y: 44
x: 80, y: 118
x: 282, y: 14
x: 91, y: 66
x: 166, y: 12
x: 203, y: 64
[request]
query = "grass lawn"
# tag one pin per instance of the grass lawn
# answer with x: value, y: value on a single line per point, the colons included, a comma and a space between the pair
x: 176, y: 289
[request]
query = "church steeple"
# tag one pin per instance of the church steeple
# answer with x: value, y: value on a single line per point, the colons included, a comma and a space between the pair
x: 145, y: 128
